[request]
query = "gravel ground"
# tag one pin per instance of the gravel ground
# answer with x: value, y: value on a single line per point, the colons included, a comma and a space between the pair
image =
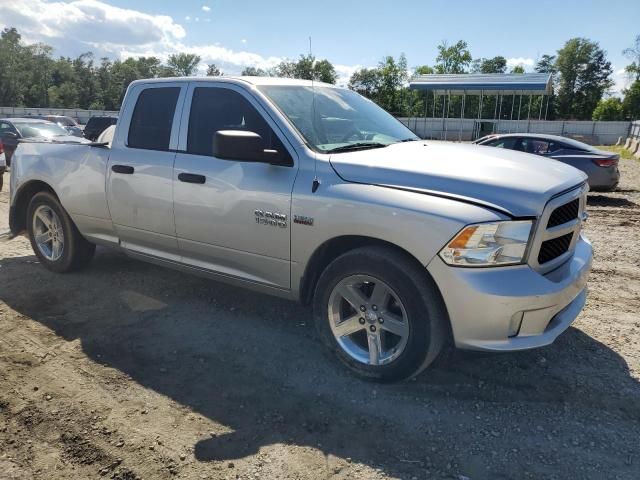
x: 130, y: 371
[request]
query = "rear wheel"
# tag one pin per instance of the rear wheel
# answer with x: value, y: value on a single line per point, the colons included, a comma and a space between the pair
x: 380, y: 313
x: 54, y: 238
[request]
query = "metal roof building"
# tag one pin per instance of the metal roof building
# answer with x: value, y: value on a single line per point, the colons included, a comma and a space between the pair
x: 489, y: 83
x: 492, y: 89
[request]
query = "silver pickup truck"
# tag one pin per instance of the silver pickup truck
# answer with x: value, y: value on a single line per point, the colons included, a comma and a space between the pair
x: 314, y: 193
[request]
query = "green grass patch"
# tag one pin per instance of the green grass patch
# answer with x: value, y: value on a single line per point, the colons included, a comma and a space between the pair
x: 624, y: 153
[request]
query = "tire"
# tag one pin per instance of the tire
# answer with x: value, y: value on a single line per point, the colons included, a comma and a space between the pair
x: 413, y: 308
x: 73, y: 252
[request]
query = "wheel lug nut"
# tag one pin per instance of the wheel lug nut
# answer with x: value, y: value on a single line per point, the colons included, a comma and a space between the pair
x: 375, y: 307
x: 372, y: 328
x: 362, y: 308
x: 380, y: 319
x: 361, y: 320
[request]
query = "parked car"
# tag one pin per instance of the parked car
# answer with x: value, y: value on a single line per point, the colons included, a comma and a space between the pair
x: 68, y: 123
x: 600, y: 166
x: 12, y: 130
x: 399, y: 243
x: 96, y: 125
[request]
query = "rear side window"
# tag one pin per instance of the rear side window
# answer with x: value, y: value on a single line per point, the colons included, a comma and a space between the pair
x: 508, y: 142
x: 152, y: 118
x: 214, y: 109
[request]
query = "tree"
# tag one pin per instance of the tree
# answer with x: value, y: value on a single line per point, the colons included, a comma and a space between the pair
x: 386, y: 84
x: 631, y: 102
x: 424, y: 70
x: 517, y: 69
x: 585, y: 75
x: 307, y: 68
x: 453, y: 59
x: 365, y: 81
x: 254, y: 72
x: 489, y: 65
x: 609, y: 109
x: 183, y: 64
x: 633, y: 54
x: 324, y: 71
x: 546, y: 64
x: 213, y: 70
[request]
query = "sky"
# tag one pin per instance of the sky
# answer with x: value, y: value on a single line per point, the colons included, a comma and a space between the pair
x: 235, y: 34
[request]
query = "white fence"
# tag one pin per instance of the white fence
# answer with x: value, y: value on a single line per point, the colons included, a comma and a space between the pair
x: 81, y: 115
x: 597, y: 133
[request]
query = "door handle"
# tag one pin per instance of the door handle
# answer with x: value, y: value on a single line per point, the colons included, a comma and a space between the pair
x: 126, y: 169
x: 192, y: 178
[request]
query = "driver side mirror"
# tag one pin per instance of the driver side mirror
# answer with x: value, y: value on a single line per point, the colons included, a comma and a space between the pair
x: 245, y: 146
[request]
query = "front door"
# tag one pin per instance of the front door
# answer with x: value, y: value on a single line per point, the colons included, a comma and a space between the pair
x: 140, y: 170
x: 235, y: 219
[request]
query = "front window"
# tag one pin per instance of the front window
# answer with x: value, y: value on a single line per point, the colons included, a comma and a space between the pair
x: 47, y: 130
x: 334, y: 119
x: 63, y: 121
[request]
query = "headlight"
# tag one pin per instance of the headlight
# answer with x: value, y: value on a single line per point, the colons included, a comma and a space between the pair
x: 489, y: 244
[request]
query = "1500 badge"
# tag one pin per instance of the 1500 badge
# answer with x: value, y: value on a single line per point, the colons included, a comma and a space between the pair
x: 273, y: 219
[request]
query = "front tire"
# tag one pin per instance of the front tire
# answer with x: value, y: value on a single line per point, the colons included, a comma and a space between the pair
x: 381, y: 313
x: 54, y: 237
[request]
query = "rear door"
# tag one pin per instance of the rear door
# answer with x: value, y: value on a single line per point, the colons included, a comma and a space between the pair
x: 140, y: 170
x: 236, y: 219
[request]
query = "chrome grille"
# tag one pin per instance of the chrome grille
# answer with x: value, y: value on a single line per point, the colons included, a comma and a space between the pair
x: 558, y: 229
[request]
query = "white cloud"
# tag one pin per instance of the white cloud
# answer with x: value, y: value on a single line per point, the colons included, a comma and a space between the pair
x: 344, y: 73
x: 621, y: 81
x: 206, y: 9
x: 88, y: 20
x: 244, y: 40
x: 525, y: 62
x: 77, y: 26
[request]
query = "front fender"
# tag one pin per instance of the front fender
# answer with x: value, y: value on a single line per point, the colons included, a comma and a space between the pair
x: 418, y: 223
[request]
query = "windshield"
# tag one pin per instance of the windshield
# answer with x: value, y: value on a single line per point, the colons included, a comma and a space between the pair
x: 33, y: 129
x: 63, y: 121
x: 342, y: 118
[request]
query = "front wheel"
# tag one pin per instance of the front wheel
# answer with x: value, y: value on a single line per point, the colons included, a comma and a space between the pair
x: 54, y: 238
x: 378, y: 310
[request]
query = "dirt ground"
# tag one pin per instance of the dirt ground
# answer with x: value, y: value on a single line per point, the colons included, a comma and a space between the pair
x: 130, y: 371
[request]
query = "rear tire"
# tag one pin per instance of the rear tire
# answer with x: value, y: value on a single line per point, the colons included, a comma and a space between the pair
x: 54, y: 237
x: 379, y: 311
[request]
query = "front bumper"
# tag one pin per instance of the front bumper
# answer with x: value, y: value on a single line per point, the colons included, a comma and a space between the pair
x: 513, y: 308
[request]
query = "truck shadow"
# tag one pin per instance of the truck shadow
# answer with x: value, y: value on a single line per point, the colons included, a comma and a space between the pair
x: 253, y: 364
x: 609, y: 201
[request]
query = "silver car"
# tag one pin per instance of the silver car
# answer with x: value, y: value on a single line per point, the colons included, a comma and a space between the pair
x: 314, y: 193
x: 600, y: 166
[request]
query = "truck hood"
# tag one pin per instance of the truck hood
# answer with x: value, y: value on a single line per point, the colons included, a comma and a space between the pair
x: 516, y: 183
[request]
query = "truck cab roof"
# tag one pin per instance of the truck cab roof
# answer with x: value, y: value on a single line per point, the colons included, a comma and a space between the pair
x: 239, y: 80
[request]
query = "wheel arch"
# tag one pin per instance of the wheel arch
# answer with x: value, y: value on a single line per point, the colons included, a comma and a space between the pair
x: 18, y: 209
x: 331, y: 249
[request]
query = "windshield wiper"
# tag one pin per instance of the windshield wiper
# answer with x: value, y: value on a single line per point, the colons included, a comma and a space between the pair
x: 409, y: 140
x: 356, y: 146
